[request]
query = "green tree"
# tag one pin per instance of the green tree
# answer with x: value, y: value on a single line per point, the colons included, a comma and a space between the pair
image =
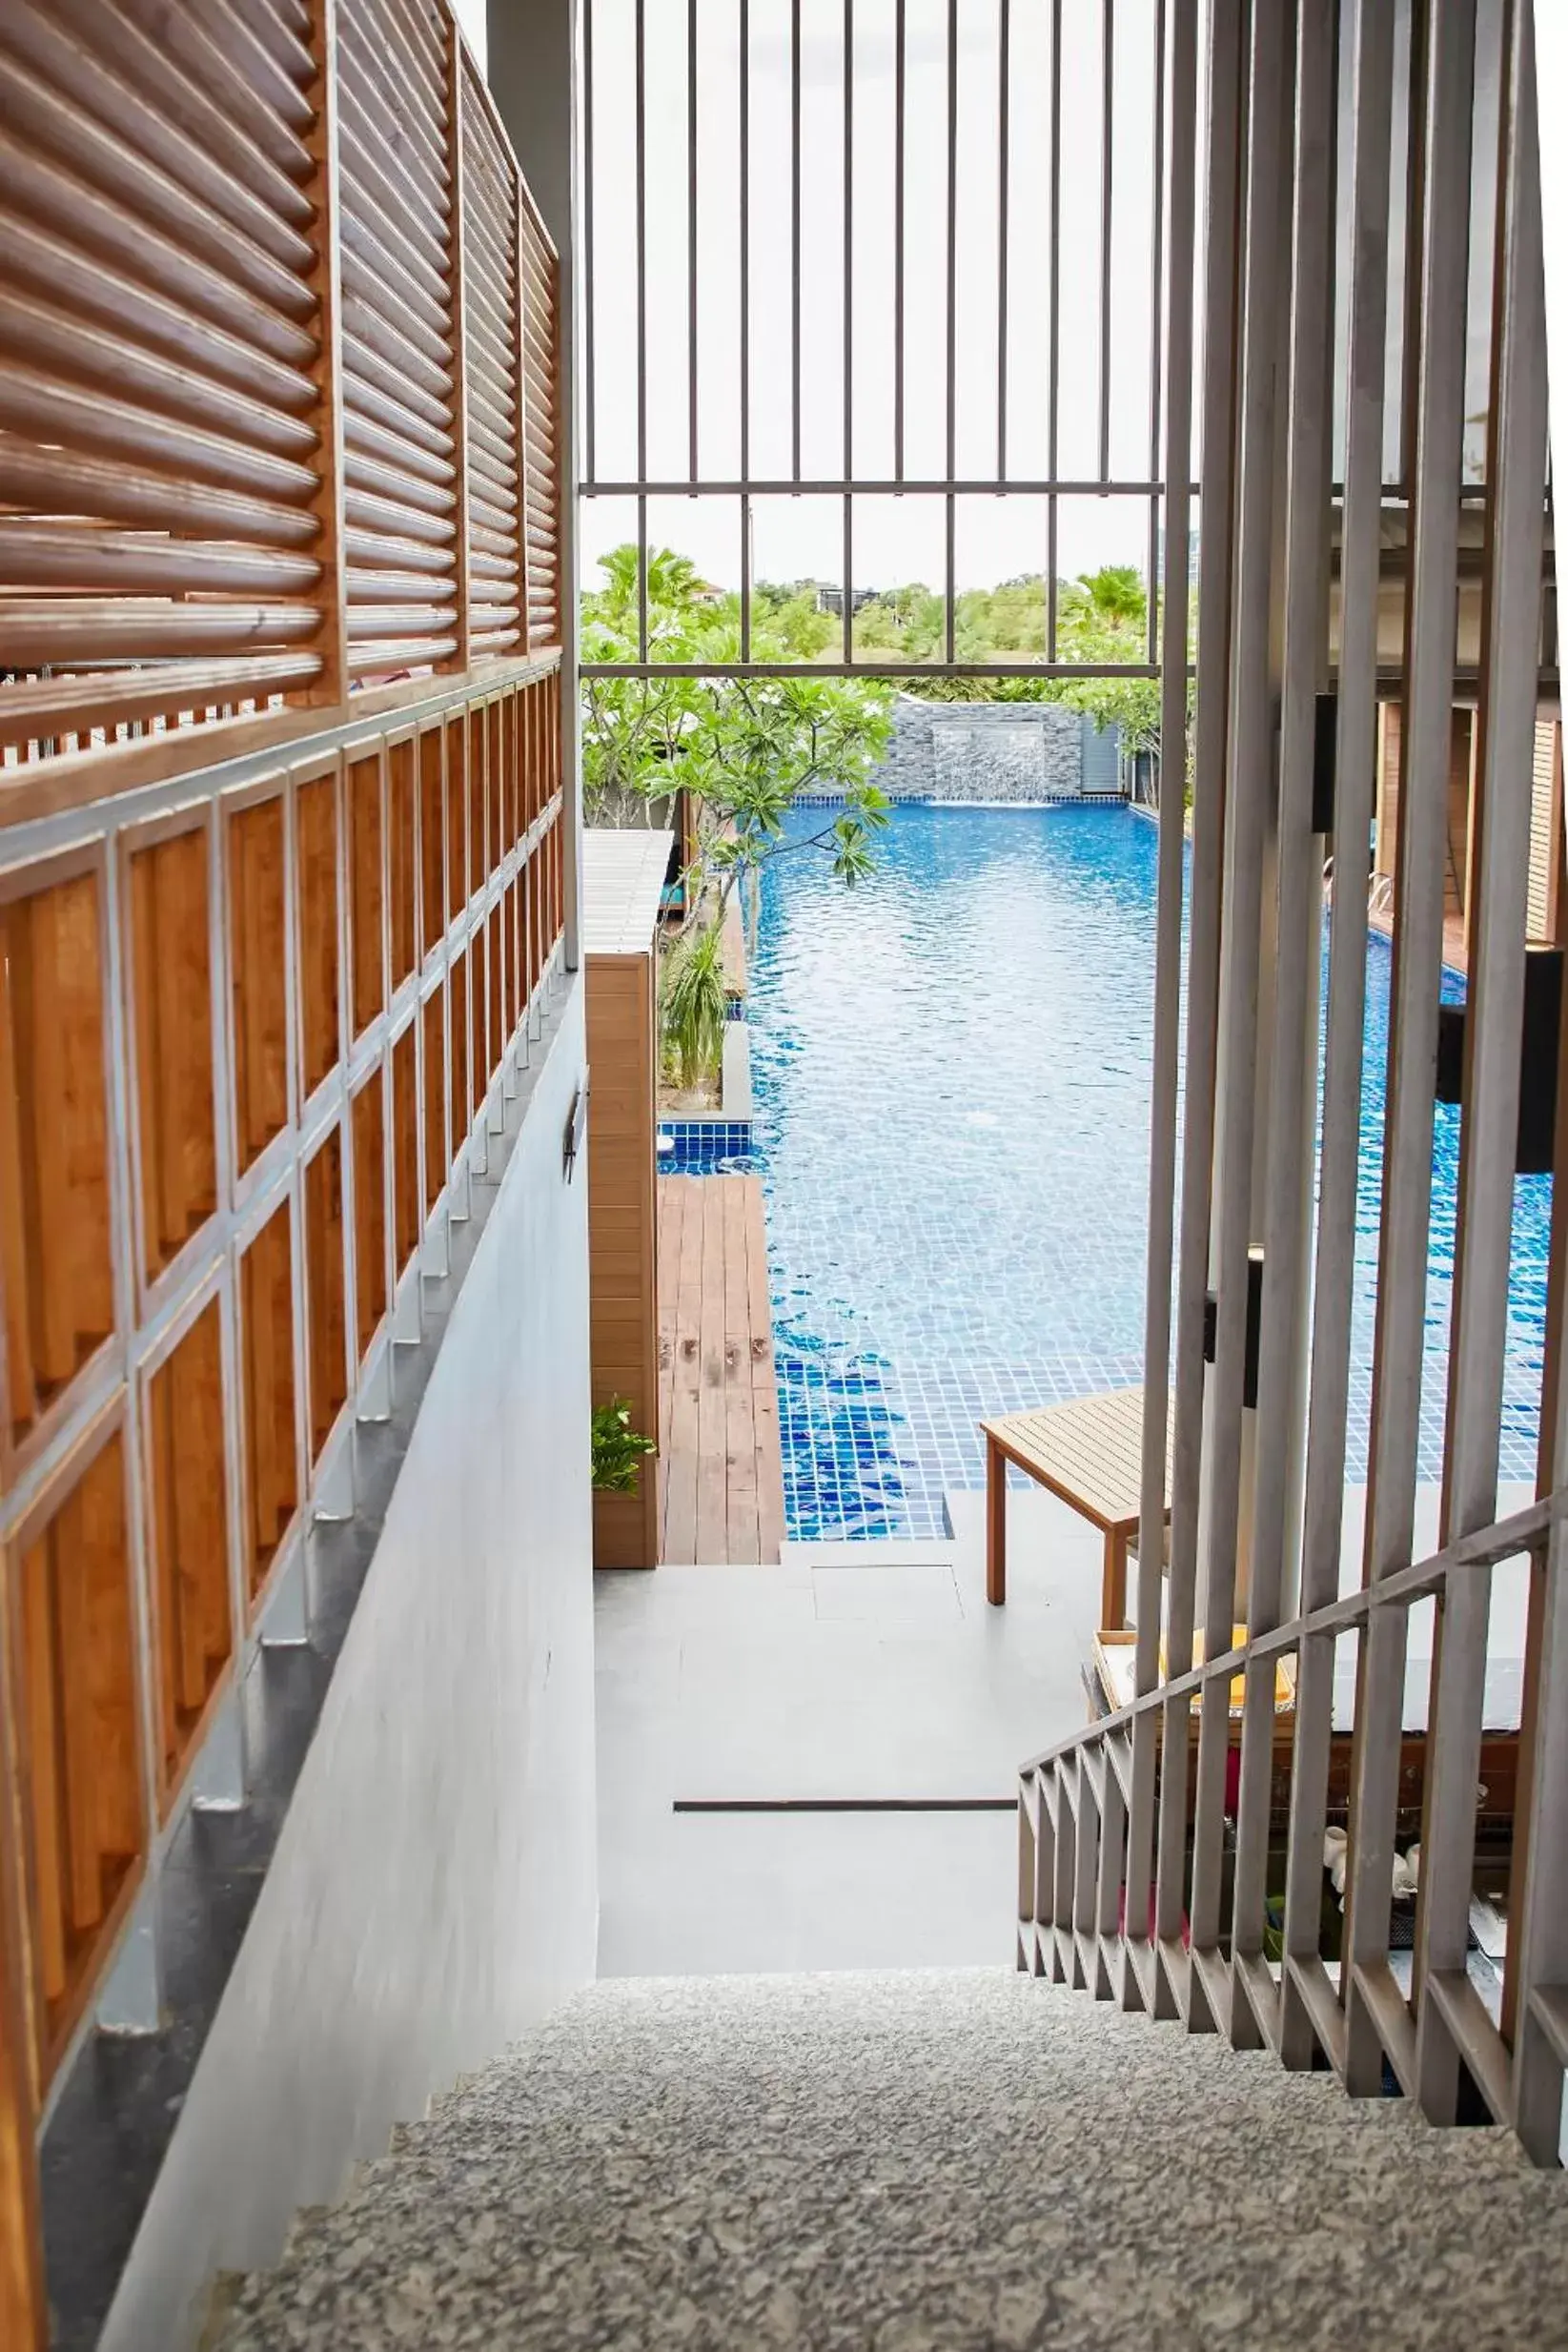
x: 745, y: 748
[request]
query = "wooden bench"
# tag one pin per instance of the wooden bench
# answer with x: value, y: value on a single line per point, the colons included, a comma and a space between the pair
x: 1089, y: 1453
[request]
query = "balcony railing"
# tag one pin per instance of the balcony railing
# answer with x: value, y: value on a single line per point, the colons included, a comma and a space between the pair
x: 1182, y: 1853
x: 283, y: 865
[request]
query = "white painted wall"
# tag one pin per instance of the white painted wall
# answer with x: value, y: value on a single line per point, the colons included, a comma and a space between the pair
x: 433, y: 1889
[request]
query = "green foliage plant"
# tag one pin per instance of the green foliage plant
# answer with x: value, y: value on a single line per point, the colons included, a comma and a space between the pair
x: 745, y: 748
x: 618, y: 1448
x: 693, y: 1006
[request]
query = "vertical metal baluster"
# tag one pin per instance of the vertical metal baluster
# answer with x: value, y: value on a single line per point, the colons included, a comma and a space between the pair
x: 691, y: 229
x: 1417, y: 961
x: 1166, y: 1074
x: 590, y: 402
x: 848, y: 321
x: 1053, y: 327
x: 795, y: 238
x: 1354, y: 788
x: 1542, y: 1908
x: 1110, y: 1868
x: 1248, y: 799
x: 1226, y: 103
x: 1293, y: 1086
x: 953, y: 320
x: 1156, y: 276
x: 1004, y: 142
x: 1108, y: 178
x: 900, y: 64
x: 1066, y: 1773
x: 1516, y: 476
x: 1086, y: 1859
x: 640, y: 146
x: 1030, y: 1806
x: 743, y: 96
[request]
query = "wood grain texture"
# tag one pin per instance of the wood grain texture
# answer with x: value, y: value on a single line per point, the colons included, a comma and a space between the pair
x: 282, y: 302
x: 623, y: 1320
x: 190, y: 1537
x: 717, y: 1403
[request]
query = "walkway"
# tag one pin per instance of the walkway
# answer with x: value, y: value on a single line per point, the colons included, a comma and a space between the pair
x: 718, y: 1398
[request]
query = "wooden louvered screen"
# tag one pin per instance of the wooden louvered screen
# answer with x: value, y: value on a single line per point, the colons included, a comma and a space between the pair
x: 277, y: 381
x: 399, y: 375
x: 491, y: 333
x: 541, y: 440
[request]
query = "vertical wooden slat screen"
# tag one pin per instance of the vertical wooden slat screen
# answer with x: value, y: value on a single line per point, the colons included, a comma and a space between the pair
x: 78, y: 1711
x: 277, y: 378
x: 307, y: 1031
x: 187, y: 1489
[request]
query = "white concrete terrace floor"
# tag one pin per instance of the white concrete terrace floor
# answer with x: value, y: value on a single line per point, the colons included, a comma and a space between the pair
x: 856, y: 1670
x: 875, y: 1671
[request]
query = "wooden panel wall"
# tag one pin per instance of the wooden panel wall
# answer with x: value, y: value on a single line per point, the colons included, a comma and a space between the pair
x: 245, y: 1051
x: 278, y: 366
x: 623, y: 1306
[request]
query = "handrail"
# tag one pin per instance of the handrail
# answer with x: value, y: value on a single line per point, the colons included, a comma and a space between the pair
x: 260, y: 449
x: 1524, y: 1531
x: 1081, y: 1889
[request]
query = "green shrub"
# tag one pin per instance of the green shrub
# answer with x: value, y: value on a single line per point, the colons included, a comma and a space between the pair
x: 619, y: 1449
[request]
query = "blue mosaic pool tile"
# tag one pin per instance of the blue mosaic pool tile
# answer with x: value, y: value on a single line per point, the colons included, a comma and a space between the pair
x: 706, y: 1147
x: 951, y: 1073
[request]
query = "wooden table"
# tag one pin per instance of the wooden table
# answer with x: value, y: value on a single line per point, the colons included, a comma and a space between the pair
x: 1089, y: 1454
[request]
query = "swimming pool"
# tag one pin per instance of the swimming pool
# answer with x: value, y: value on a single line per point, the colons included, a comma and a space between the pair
x: 951, y: 1069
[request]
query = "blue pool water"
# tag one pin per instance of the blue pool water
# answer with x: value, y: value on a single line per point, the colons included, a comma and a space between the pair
x: 951, y: 1066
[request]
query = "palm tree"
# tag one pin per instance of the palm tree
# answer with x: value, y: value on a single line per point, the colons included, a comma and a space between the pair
x: 1115, y: 592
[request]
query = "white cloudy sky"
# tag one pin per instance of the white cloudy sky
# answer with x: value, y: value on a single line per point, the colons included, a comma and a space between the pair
x: 894, y: 538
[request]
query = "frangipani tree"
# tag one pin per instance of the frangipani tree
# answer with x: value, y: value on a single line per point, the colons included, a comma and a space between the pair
x: 747, y: 748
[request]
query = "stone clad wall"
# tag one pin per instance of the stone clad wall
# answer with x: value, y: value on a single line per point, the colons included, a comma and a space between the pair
x: 992, y: 751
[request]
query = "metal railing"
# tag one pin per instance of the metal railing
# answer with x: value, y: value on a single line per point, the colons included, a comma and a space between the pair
x: 1174, y: 1855
x: 924, y: 126
x: 1080, y: 1907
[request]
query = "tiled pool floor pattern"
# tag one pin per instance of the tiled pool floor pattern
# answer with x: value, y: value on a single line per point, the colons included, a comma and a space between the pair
x: 951, y: 1073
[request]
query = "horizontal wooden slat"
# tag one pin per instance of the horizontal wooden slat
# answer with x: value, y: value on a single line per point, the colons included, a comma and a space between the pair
x: 84, y: 629
x: 105, y: 163
x: 62, y: 555
x: 384, y: 657
x: 60, y: 704
x: 179, y: 93
x: 56, y: 198
x: 55, y: 345
x: 50, y: 412
x: 55, y: 482
x: 372, y: 548
x: 80, y: 285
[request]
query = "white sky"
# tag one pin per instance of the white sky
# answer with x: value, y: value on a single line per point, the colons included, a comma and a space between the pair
x: 895, y: 540
x: 471, y: 16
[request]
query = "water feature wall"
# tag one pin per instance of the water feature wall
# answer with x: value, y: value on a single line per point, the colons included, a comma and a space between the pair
x: 996, y: 751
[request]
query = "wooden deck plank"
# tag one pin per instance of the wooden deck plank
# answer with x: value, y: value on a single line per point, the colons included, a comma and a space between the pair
x: 719, y: 1406
x: 684, y: 1376
x: 764, y: 1389
x: 741, y: 1429
x: 712, y: 1530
